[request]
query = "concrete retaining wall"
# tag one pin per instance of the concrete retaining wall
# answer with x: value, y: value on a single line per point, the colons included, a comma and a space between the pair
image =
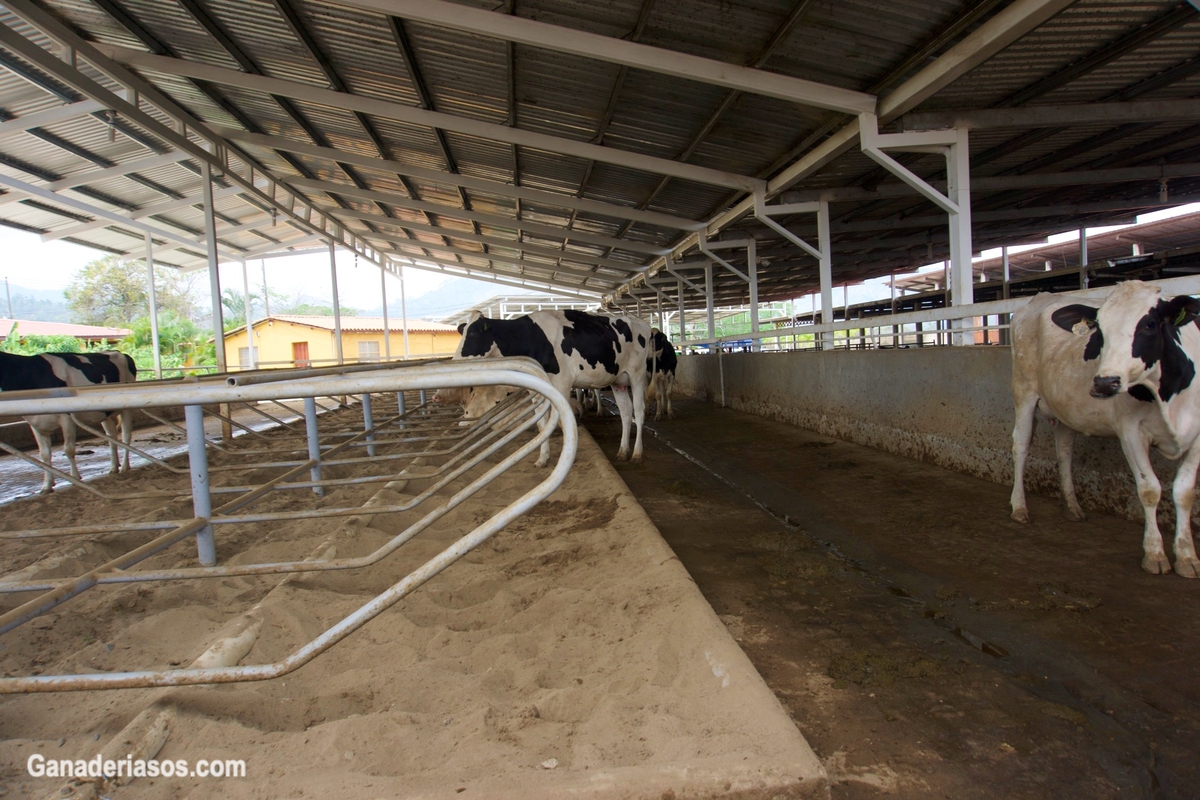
x: 951, y: 406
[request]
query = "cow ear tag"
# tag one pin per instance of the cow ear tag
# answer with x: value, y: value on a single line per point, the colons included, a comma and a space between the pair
x: 1083, y: 327
x: 1180, y: 316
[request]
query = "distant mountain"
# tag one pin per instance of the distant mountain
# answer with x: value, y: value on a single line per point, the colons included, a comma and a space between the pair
x: 43, y: 305
x: 452, y: 296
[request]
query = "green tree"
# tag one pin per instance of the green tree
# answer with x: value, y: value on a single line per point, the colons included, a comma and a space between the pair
x: 298, y: 305
x: 34, y: 344
x: 110, y: 291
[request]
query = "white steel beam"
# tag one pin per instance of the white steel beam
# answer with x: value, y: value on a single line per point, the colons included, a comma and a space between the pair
x: 214, y: 275
x: 129, y: 218
x: 517, y: 281
x: 1014, y: 21
x: 497, y: 241
x: 48, y: 117
x: 434, y: 247
x: 96, y: 175
x: 619, y: 51
x: 1174, y: 110
x: 497, y: 188
x: 433, y: 119
x: 494, y: 220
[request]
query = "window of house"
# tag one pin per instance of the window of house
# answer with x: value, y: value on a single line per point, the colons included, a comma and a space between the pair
x: 244, y: 357
x: 368, y: 351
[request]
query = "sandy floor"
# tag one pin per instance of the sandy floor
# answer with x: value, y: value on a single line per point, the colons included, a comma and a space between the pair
x: 570, y: 655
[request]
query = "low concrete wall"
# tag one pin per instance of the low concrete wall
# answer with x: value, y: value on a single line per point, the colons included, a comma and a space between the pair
x: 951, y: 406
x: 17, y: 433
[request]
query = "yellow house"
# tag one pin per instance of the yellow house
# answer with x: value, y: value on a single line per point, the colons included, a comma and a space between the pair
x: 295, y: 340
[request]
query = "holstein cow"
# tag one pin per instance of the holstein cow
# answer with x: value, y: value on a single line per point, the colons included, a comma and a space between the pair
x: 661, y: 367
x: 51, y: 370
x: 1126, y: 370
x: 576, y: 349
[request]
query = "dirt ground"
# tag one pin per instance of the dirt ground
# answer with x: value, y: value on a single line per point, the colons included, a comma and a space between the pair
x: 926, y: 645
x: 569, y: 655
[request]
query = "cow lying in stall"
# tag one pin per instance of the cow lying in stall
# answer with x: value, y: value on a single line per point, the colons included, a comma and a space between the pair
x: 1126, y: 370
x: 52, y: 370
x: 661, y: 367
x: 577, y: 350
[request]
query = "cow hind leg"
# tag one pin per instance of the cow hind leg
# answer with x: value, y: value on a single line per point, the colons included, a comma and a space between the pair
x: 1137, y: 453
x: 625, y: 406
x: 1025, y: 408
x: 638, y: 391
x: 126, y: 435
x: 668, y: 387
x: 46, y: 453
x: 1064, y: 448
x: 69, y: 430
x: 1186, y: 563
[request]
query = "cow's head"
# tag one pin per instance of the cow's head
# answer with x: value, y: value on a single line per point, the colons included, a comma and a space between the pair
x: 1140, y: 334
x: 481, y: 399
x: 478, y: 336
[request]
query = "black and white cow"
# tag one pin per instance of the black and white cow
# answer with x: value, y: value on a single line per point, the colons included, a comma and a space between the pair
x: 576, y: 349
x: 1125, y: 369
x: 52, y: 370
x: 661, y: 367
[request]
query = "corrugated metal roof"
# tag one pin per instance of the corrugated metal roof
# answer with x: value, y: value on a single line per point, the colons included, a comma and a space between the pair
x: 1107, y: 49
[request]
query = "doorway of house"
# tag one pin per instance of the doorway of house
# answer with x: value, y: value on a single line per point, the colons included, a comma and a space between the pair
x: 300, y: 354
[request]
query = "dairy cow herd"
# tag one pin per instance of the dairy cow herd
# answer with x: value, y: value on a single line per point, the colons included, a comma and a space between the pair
x: 1123, y: 368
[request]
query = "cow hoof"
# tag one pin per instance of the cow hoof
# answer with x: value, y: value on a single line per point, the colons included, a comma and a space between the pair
x: 1187, y: 567
x: 670, y: 415
x: 541, y: 463
x: 1075, y: 514
x: 622, y: 456
x: 1156, y: 564
x: 1020, y: 515
x: 637, y: 459
x: 49, y: 490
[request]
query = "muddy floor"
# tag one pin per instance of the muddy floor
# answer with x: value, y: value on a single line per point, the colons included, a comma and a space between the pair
x: 924, y: 644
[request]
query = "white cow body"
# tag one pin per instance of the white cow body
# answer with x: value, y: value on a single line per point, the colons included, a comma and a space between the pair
x: 1058, y: 349
x: 577, y: 350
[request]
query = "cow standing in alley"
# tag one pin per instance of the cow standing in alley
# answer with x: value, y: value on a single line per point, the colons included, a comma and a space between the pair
x: 1125, y: 369
x: 52, y: 370
x: 577, y: 350
x: 661, y: 367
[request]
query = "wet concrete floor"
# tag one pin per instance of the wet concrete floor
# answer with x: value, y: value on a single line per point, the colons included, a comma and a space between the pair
x: 925, y: 644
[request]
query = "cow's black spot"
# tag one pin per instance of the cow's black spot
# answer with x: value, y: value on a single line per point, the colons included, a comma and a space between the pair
x: 1094, y: 346
x: 1141, y: 392
x: 623, y: 328
x: 1068, y: 317
x: 593, y: 338
x: 18, y: 373
x: 512, y: 337
x: 96, y: 367
x: 664, y: 354
x: 1156, y: 338
x: 641, y: 340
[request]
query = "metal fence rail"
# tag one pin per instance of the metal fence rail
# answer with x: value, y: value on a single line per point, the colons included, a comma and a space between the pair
x: 395, y: 440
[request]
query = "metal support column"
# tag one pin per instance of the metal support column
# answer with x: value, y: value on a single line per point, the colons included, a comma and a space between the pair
x: 387, y: 329
x: 153, y: 308
x: 403, y: 314
x: 214, y: 277
x: 682, y: 323
x: 1005, y: 319
x: 337, y: 311
x: 249, y: 316
x: 314, y: 444
x: 368, y: 424
x: 206, y: 547
x: 825, y: 273
x: 752, y: 271
x: 1083, y: 259
x: 958, y: 189
x: 708, y: 300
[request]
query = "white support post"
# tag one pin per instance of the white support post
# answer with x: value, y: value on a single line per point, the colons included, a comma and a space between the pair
x: 153, y: 308
x: 752, y: 268
x: 214, y: 276
x: 708, y: 300
x: 1083, y: 259
x: 953, y: 144
x: 682, y: 323
x: 825, y: 270
x: 249, y: 316
x: 387, y: 330
x: 337, y: 311
x: 661, y: 326
x: 403, y: 314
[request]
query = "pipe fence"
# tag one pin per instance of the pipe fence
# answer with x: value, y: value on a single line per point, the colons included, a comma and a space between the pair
x: 312, y: 450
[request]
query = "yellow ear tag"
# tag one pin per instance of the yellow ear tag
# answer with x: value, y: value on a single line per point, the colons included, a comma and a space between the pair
x: 1179, y: 317
x: 1081, y: 328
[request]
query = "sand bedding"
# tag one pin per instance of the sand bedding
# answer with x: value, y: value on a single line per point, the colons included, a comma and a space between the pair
x: 569, y: 655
